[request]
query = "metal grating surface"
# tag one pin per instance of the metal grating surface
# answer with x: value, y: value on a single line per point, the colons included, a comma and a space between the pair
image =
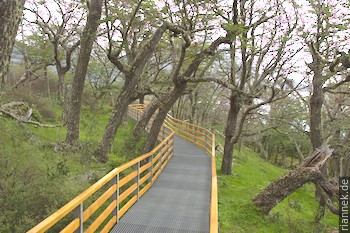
x: 179, y: 200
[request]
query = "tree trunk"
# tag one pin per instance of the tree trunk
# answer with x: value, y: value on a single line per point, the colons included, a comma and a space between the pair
x: 47, y: 82
x: 178, y: 113
x: 87, y: 40
x: 283, y: 161
x: 60, y: 86
x: 235, y: 106
x: 142, y: 99
x: 146, y: 116
x: 262, y: 151
x: 345, y: 158
x: 239, y: 147
x: 334, y: 162
x: 194, y: 106
x: 316, y: 103
x: 269, y: 152
x: 345, y: 165
x: 163, y: 111
x: 155, y: 129
x: 334, y: 167
x: 292, y: 180
x: 300, y: 153
x: 10, y: 17
x: 283, y: 187
x: 291, y: 162
x: 276, y: 155
x: 121, y: 107
x: 132, y: 77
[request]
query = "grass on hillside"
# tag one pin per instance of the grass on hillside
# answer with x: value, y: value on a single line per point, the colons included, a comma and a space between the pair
x: 251, y: 174
x: 36, y: 180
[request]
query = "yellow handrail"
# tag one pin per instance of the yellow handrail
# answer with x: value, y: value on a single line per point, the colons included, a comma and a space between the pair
x: 126, y: 190
x: 140, y: 174
x: 205, y: 139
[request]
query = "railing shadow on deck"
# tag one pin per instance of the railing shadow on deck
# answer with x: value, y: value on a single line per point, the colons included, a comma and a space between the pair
x: 100, y: 206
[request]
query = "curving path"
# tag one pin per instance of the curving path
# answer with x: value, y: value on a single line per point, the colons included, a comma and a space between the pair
x: 179, y: 200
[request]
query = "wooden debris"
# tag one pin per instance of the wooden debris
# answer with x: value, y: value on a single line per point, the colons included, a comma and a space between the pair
x: 6, y: 109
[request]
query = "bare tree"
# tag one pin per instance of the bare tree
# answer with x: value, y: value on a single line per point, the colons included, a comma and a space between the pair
x: 322, y: 47
x: 103, y: 77
x: 258, y: 77
x: 36, y: 56
x: 329, y: 72
x: 187, y: 56
x: 138, y: 49
x: 337, y: 124
x: 180, y: 81
x: 62, y: 26
x: 205, y: 104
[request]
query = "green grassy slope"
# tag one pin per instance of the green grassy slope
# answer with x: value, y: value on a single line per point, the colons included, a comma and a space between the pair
x: 250, y: 175
x: 36, y: 179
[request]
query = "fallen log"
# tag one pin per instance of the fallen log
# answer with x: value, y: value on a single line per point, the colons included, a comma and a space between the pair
x: 23, y: 119
x: 12, y: 105
x: 309, y: 171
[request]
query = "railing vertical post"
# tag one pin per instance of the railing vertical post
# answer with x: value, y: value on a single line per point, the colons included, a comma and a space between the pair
x: 172, y: 143
x: 116, y: 195
x: 168, y: 143
x: 213, y: 146
x: 138, y: 180
x: 160, y: 158
x: 166, y: 152
x: 194, y: 133
x: 79, y: 213
x: 151, y: 177
x: 208, y: 139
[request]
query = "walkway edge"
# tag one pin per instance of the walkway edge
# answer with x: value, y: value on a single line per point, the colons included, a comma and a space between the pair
x: 150, y: 166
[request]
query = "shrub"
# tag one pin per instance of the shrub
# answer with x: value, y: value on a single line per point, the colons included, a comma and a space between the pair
x: 33, y: 180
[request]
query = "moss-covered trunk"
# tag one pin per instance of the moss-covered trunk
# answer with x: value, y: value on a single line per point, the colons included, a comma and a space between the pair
x: 10, y: 17
x: 145, y: 118
x: 163, y: 111
x: 121, y: 106
x: 87, y: 40
x: 235, y: 106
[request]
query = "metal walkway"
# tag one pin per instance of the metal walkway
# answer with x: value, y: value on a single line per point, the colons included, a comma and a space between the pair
x: 179, y: 200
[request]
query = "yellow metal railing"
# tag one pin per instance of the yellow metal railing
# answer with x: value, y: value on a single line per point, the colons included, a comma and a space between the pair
x: 109, y: 198
x: 204, y: 139
x: 116, y: 192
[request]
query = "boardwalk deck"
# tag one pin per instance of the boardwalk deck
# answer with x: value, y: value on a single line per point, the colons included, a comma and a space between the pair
x: 179, y: 200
